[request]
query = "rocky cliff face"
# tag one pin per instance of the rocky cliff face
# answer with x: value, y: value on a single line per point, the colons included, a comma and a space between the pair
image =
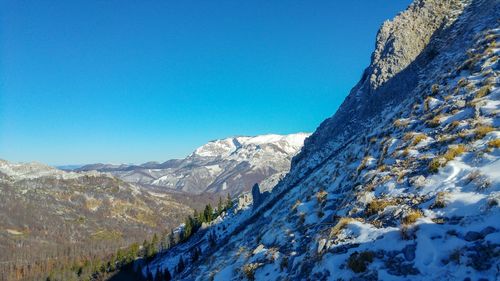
x: 401, y: 40
x: 403, y: 50
x: 402, y: 182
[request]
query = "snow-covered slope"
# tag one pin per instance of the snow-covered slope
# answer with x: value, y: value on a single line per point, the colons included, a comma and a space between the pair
x: 402, y: 183
x: 243, y: 148
x: 230, y: 165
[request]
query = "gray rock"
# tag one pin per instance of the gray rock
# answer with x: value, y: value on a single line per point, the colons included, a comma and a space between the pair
x: 243, y: 201
x: 460, y: 104
x: 473, y: 236
x: 257, y: 196
x: 398, y: 267
x: 321, y: 245
x: 409, y: 252
x: 488, y: 230
x: 417, y: 181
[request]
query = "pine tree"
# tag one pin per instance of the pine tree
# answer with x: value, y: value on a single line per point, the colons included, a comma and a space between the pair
x: 198, y: 216
x: 188, y: 228
x: 145, y: 247
x: 154, y: 244
x: 196, y: 254
x: 180, y: 265
x: 212, y: 239
x: 166, y: 275
x: 159, y: 275
x: 150, y: 248
x: 132, y: 253
x: 220, y: 208
x: 164, y: 241
x: 149, y: 275
x: 172, y: 239
x: 208, y: 213
x: 229, y: 202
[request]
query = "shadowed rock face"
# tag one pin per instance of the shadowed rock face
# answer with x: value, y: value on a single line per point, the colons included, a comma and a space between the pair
x: 257, y: 196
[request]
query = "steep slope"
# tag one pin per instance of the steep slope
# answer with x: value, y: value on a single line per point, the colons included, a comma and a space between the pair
x: 229, y: 165
x: 403, y: 182
x: 48, y: 215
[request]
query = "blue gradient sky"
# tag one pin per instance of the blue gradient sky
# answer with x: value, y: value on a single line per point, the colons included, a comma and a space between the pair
x: 134, y: 81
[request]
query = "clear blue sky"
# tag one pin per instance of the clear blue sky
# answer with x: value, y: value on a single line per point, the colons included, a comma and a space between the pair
x: 132, y: 81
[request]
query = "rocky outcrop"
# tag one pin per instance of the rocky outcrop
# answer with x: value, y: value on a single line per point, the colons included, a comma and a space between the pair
x: 401, y: 40
x: 405, y: 48
x: 257, y: 196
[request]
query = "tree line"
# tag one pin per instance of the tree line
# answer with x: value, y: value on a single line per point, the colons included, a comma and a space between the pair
x: 99, y: 268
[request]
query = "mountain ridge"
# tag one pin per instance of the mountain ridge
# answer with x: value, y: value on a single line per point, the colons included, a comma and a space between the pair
x: 402, y: 182
x: 231, y: 164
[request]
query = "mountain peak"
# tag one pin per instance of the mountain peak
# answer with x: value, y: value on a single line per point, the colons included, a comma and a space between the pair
x: 225, y: 147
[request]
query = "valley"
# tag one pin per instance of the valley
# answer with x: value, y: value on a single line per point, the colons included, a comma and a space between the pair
x: 51, y: 218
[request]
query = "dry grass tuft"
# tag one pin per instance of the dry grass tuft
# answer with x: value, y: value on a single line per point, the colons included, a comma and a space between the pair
x: 401, y: 123
x: 463, y: 82
x: 439, y: 202
x: 481, y: 131
x: 435, y: 89
x: 418, y: 138
x: 453, y: 125
x: 412, y: 217
x: 494, y: 143
x: 297, y: 203
x: 321, y: 196
x: 435, y: 164
x: 483, y: 91
x: 362, y: 165
x: 434, y: 122
x: 454, y: 151
x: 377, y: 205
x: 341, y: 224
x: 358, y: 262
x: 249, y: 270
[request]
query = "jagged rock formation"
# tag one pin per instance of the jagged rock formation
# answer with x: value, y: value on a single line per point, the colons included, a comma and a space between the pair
x: 230, y: 165
x: 402, y: 182
x: 257, y: 196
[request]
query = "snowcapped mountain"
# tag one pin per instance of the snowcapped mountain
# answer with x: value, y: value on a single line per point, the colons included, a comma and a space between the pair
x: 230, y: 165
x: 402, y: 183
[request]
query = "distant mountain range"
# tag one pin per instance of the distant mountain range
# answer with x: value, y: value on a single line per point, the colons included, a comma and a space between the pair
x: 230, y: 165
x: 47, y: 214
